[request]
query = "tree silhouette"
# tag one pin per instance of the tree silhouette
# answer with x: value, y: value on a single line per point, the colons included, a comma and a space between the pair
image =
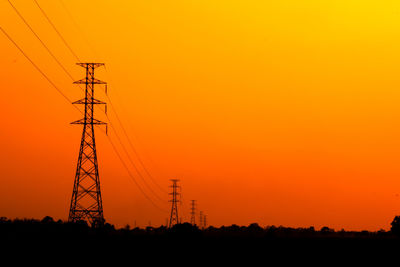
x: 396, y: 226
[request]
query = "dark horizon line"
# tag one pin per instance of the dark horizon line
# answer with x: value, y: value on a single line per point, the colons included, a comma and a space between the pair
x: 254, y: 225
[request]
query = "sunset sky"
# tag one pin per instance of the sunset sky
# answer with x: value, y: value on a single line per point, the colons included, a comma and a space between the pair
x: 276, y: 112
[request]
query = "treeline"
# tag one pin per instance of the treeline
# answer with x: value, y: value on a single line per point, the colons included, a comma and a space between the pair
x: 50, y: 237
x: 48, y: 228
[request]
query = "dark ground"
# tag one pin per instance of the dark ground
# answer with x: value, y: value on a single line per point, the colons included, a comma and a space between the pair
x: 187, y: 245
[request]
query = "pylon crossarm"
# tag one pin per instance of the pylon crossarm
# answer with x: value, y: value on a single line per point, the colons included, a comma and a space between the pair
x: 94, y: 65
x: 92, y: 81
x: 97, y: 122
x: 94, y: 102
x: 83, y: 121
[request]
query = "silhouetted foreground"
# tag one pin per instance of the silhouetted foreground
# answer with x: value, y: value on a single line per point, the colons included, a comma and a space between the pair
x: 231, y: 241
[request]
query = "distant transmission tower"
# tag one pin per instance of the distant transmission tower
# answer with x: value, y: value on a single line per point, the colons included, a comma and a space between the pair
x: 193, y: 213
x: 201, y: 220
x: 174, y: 219
x: 86, y: 202
x: 204, y: 221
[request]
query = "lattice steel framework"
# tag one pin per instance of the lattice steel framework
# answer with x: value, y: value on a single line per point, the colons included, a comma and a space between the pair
x: 174, y: 218
x: 193, y: 212
x: 201, y: 220
x: 86, y: 201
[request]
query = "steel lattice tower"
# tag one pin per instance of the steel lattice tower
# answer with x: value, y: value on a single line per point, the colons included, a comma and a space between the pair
x: 174, y: 218
x: 201, y: 219
x: 193, y: 213
x: 86, y: 202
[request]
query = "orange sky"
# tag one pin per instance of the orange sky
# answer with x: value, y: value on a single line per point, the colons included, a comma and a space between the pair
x: 281, y: 113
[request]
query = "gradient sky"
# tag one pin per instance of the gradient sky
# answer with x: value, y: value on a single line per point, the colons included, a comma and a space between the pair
x: 276, y: 112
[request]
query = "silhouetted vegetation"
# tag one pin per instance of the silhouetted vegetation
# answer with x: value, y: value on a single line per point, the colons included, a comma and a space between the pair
x: 48, y: 227
x: 28, y: 233
x: 395, y: 229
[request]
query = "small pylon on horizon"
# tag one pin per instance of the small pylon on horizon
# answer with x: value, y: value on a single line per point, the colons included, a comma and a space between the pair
x: 174, y: 218
x: 193, y: 213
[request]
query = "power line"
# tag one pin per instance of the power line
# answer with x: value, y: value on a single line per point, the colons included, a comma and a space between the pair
x: 130, y: 175
x: 58, y: 33
x: 131, y: 144
x: 65, y: 70
x: 133, y: 148
x: 110, y: 101
x: 78, y: 28
x: 43, y: 44
x: 131, y: 161
x: 40, y: 40
x: 69, y: 100
x: 36, y: 66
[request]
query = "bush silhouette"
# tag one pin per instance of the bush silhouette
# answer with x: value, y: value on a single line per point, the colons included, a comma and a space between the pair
x: 395, y: 229
x: 184, y: 229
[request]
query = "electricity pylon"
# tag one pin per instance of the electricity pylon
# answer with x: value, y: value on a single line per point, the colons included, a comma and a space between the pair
x: 174, y: 218
x: 204, y: 221
x: 201, y: 220
x: 193, y: 213
x: 86, y: 202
